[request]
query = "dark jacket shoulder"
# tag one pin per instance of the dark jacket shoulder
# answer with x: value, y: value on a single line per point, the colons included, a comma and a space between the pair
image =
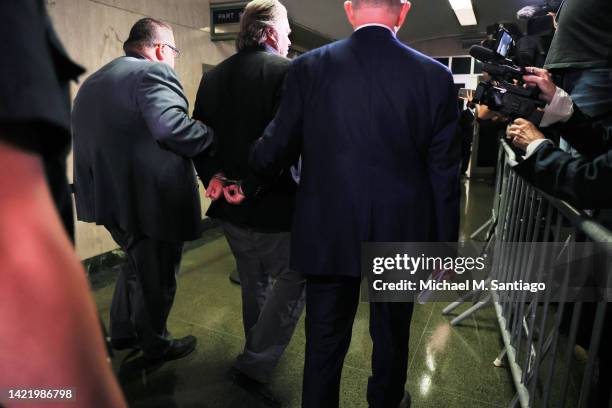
x: 36, y: 70
x: 254, y: 54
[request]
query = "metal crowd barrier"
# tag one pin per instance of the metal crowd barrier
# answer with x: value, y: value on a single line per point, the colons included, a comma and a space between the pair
x: 540, y: 336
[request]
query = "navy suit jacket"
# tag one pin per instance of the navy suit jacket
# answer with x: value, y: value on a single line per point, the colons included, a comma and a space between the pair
x: 375, y: 124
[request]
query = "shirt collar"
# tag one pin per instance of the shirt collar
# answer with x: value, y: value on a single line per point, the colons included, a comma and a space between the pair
x: 270, y: 49
x: 135, y: 54
x: 375, y: 25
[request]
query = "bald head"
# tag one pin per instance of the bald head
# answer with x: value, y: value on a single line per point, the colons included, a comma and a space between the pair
x: 390, y: 13
x: 391, y: 4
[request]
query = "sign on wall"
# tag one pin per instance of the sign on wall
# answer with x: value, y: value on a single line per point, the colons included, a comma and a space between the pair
x: 225, y: 20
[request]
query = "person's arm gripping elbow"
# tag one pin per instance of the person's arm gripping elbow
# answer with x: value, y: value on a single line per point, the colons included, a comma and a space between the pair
x: 164, y: 108
x: 280, y: 145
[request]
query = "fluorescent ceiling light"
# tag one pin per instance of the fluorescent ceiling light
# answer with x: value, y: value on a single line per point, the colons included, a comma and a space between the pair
x: 460, y: 4
x: 464, y: 11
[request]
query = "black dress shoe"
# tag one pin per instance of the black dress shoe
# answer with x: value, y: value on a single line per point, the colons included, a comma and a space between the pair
x: 178, y: 348
x: 234, y: 277
x: 125, y: 343
x: 406, y: 401
x: 257, y: 389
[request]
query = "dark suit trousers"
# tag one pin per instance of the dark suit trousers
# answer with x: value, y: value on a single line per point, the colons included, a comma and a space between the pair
x: 145, y: 290
x: 331, y: 304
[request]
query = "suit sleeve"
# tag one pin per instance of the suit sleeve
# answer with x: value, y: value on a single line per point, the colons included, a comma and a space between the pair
x: 443, y: 162
x: 588, y: 137
x: 280, y: 145
x: 164, y: 108
x: 582, y: 182
x: 255, y: 184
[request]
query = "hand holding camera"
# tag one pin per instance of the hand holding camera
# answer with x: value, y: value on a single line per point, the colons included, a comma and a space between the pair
x: 541, y: 78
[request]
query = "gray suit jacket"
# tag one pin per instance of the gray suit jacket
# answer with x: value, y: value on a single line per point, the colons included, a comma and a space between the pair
x: 133, y: 140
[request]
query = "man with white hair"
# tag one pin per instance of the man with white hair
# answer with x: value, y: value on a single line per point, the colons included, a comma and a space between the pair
x: 238, y: 98
x: 374, y: 122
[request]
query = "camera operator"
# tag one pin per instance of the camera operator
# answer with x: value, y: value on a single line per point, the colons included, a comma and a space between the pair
x: 583, y: 181
x: 580, y: 55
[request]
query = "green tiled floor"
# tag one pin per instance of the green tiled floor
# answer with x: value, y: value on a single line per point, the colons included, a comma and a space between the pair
x: 449, y: 367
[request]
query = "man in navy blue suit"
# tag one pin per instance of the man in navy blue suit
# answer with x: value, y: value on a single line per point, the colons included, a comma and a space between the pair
x: 374, y: 122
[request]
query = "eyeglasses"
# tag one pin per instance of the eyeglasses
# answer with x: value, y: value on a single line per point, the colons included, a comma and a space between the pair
x: 174, y: 49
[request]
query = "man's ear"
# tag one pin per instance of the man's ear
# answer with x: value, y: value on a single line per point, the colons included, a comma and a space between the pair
x: 403, y: 13
x: 271, y: 35
x: 350, y: 12
x: 159, y: 54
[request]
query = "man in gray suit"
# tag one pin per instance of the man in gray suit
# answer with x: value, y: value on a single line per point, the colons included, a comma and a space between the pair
x: 133, y: 140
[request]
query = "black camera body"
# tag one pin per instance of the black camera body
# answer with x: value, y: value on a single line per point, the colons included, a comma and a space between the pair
x: 510, y: 100
x: 505, y: 92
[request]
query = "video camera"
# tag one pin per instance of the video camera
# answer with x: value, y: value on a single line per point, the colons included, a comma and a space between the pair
x: 505, y: 92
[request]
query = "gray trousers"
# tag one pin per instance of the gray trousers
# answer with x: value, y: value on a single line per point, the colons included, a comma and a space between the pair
x: 272, y: 297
